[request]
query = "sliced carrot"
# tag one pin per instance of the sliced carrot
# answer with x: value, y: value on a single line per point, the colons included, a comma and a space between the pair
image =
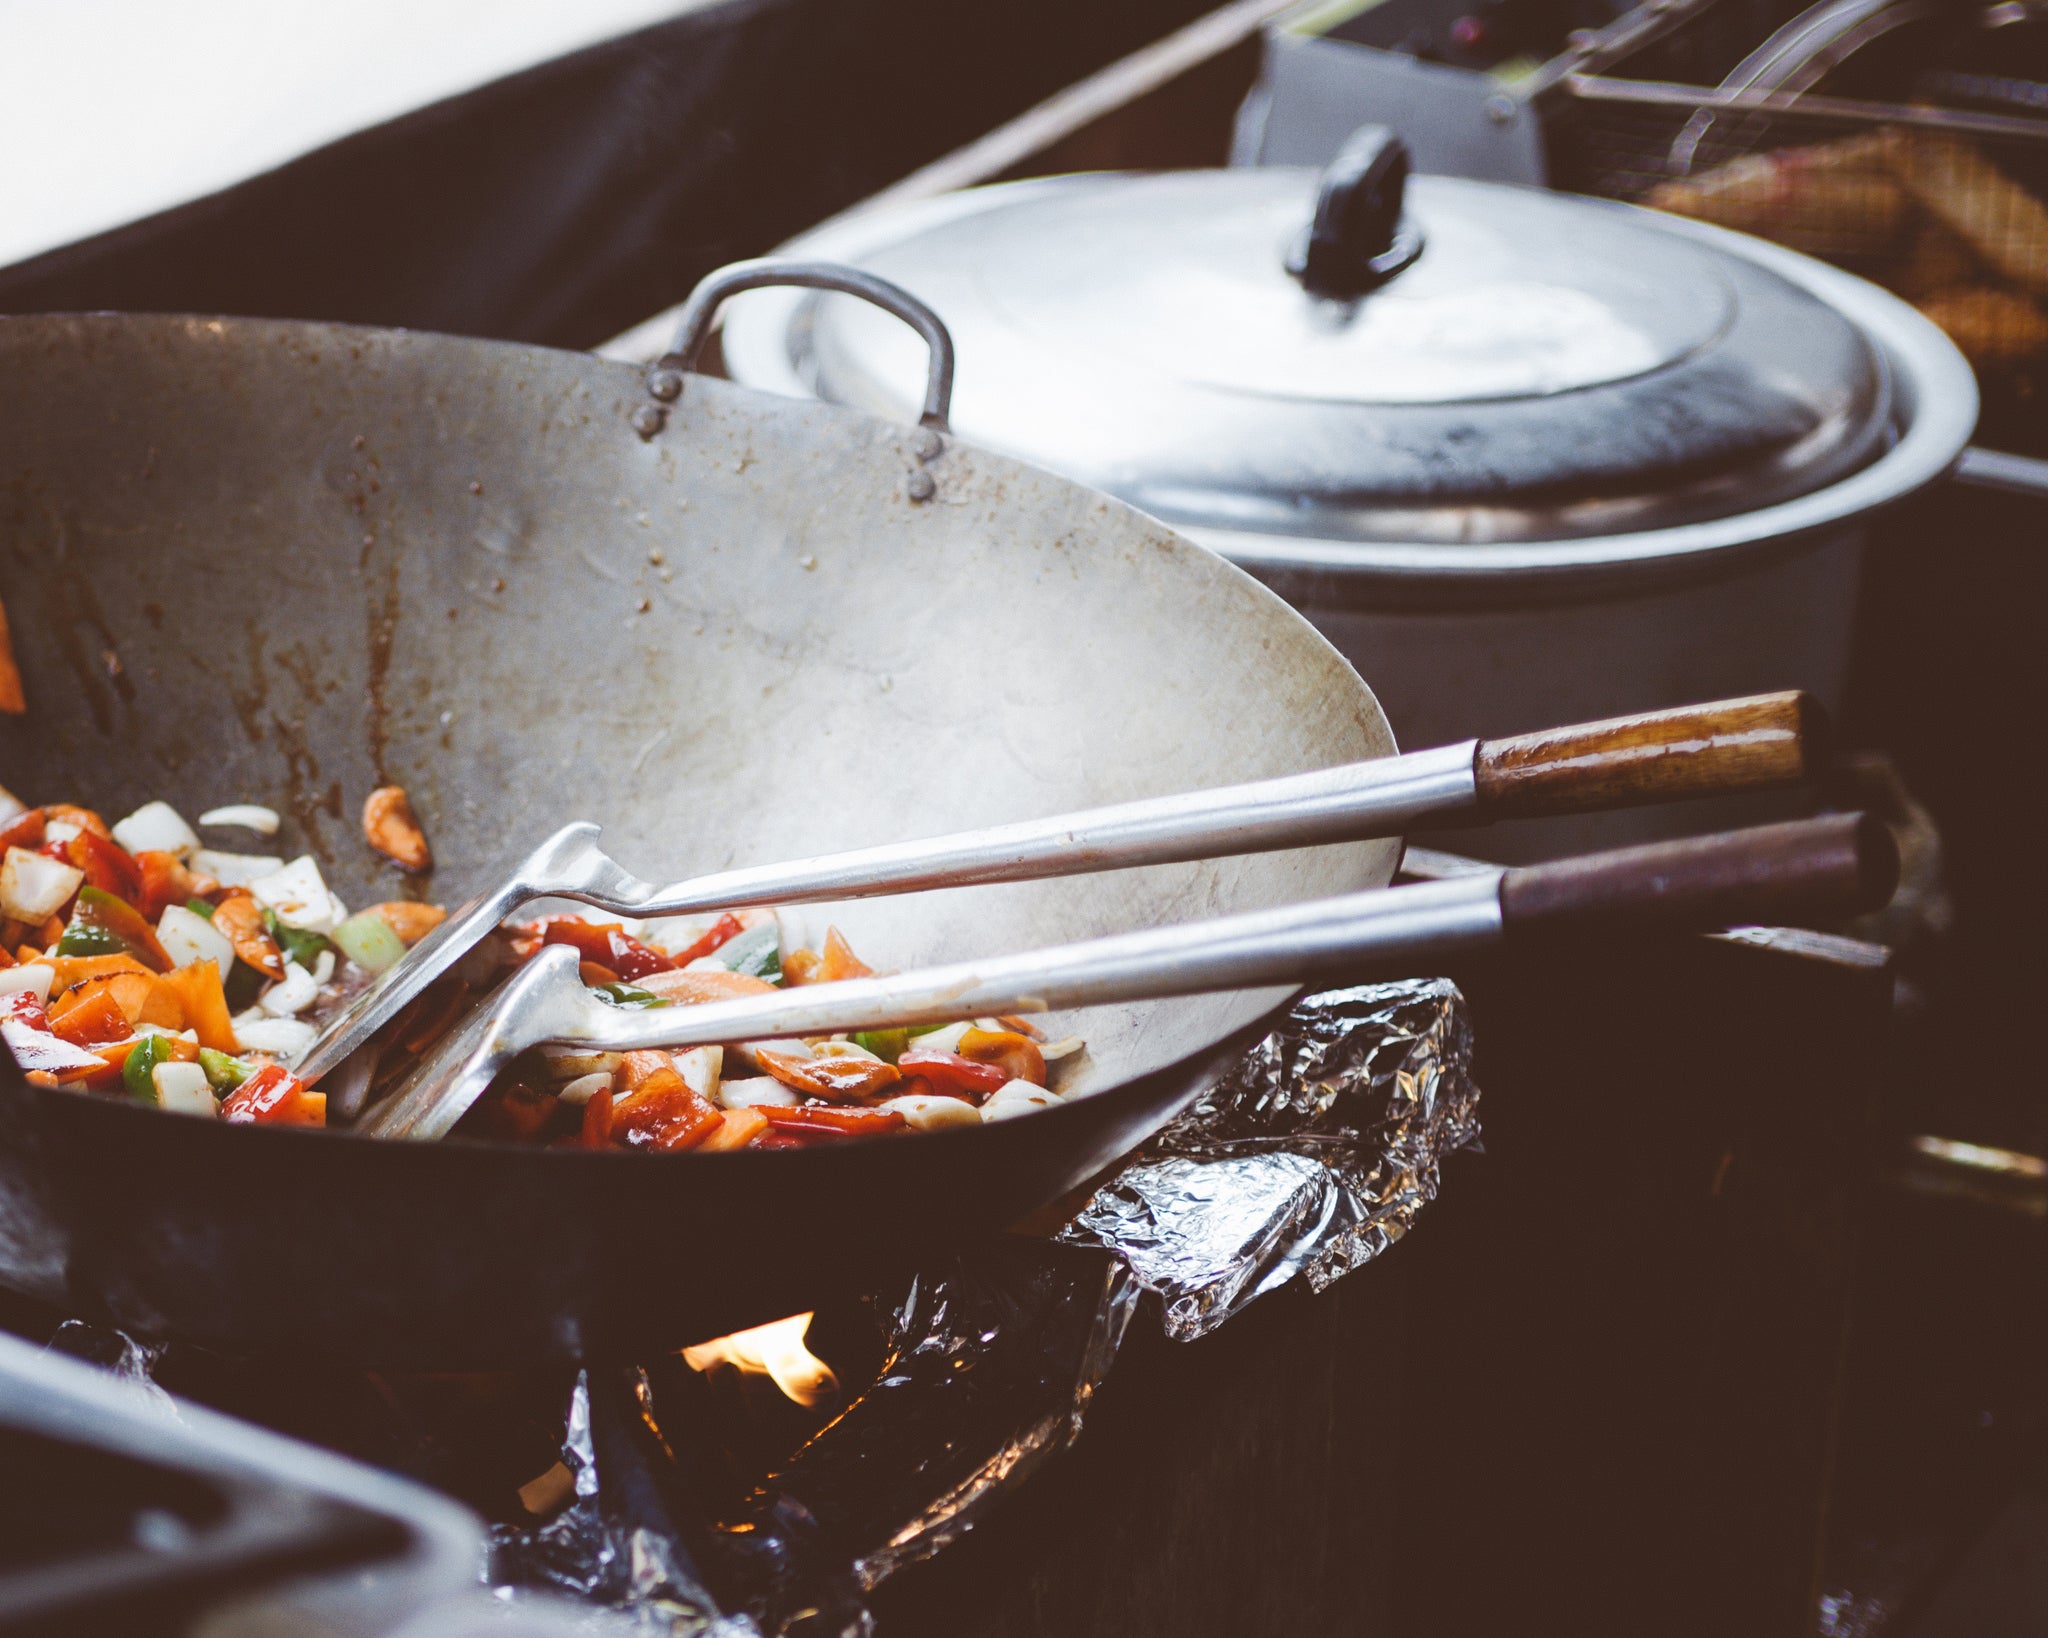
x: 204, y: 1003
x: 77, y: 969
x: 637, y: 1068
x: 800, y: 967
x: 705, y: 984
x: 595, y: 973
x: 93, y: 1022
x: 597, y: 1121
x: 409, y: 920
x: 843, y: 1080
x: 50, y: 932
x: 838, y: 961
x: 1016, y: 1055
x: 737, y: 1129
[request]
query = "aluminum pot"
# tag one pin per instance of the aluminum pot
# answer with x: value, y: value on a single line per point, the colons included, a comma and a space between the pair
x: 1524, y: 457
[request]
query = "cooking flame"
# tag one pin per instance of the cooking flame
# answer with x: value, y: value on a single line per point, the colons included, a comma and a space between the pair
x: 775, y: 1350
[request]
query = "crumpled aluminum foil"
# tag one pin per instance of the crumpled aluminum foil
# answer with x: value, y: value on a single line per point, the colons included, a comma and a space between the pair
x: 1312, y: 1156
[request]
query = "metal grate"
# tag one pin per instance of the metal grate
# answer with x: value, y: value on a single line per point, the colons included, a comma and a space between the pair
x: 1900, y: 139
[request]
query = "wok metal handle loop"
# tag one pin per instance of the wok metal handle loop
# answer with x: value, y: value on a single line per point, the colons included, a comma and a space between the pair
x: 665, y: 381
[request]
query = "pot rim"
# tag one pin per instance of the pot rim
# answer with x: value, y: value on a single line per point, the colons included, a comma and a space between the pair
x: 1934, y: 393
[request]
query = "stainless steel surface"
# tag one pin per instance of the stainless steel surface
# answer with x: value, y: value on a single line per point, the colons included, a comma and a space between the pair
x: 1548, y: 368
x: 665, y: 381
x: 547, y: 1001
x: 1798, y: 56
x: 1933, y: 410
x: 739, y: 641
x: 1349, y: 803
x: 1994, y: 469
x: 1496, y: 636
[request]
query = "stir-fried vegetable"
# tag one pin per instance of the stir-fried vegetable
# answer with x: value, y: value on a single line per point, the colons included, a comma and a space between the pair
x: 136, y: 963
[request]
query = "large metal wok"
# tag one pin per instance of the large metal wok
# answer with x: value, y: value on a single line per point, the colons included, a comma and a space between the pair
x: 283, y: 562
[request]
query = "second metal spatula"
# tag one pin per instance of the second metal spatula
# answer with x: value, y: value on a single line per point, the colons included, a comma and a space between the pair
x: 1732, y: 745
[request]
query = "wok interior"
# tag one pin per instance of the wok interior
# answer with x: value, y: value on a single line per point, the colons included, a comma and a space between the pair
x: 250, y: 561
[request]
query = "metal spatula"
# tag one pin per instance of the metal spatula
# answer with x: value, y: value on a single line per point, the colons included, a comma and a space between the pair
x: 1728, y: 746
x: 1839, y: 864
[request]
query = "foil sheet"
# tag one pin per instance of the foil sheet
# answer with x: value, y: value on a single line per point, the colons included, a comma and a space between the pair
x: 1311, y: 1157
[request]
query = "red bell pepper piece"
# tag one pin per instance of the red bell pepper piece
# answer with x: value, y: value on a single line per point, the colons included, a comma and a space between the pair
x: 825, y: 1117
x: 723, y: 931
x: 23, y: 830
x: 597, y: 1121
x: 274, y: 1096
x: 107, y: 865
x: 162, y: 881
x: 608, y: 946
x: 951, y: 1074
x: 664, y: 1113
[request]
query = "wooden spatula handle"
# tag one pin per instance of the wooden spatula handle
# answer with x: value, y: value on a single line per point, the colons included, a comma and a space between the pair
x: 1695, y: 750
x: 1837, y: 865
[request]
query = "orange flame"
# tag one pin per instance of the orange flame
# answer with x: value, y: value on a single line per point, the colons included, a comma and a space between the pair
x: 776, y: 1350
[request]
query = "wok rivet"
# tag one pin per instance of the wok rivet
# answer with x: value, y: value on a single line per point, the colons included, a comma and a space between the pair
x: 920, y: 486
x: 1501, y: 110
x: 667, y: 385
x: 926, y: 444
x: 649, y: 419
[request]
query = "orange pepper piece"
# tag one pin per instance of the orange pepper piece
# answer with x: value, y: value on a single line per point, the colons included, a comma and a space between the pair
x: 737, y: 1128
x: 204, y: 1003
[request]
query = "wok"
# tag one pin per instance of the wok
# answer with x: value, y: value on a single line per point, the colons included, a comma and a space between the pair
x: 281, y: 562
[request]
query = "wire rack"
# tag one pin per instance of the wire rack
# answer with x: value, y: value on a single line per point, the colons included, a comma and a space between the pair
x: 1906, y: 140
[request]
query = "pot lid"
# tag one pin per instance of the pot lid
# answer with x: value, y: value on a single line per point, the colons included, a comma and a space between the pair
x: 1356, y: 356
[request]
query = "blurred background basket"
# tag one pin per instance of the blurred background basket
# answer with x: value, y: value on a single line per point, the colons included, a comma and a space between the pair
x: 1905, y: 140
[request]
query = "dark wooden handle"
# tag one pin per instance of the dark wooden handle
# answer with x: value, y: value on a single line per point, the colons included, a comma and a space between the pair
x: 1838, y: 865
x: 1695, y: 750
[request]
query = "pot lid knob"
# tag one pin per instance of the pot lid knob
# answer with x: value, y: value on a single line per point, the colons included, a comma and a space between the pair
x: 1358, y: 239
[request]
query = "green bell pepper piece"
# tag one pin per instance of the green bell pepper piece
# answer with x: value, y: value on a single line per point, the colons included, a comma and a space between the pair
x: 297, y: 944
x: 757, y: 952
x: 224, y: 1071
x: 88, y: 938
x: 886, y: 1044
x: 629, y: 995
x: 142, y: 1059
